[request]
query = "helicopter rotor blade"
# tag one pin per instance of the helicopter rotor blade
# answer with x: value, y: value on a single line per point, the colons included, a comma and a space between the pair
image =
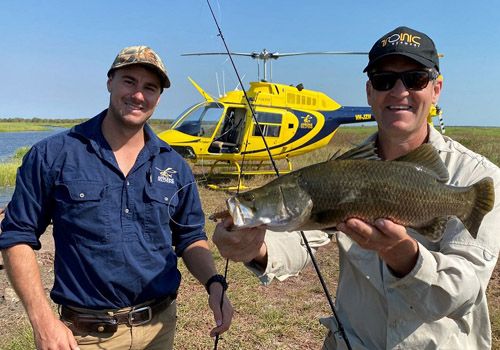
x: 249, y: 54
x: 277, y: 54
x: 266, y: 55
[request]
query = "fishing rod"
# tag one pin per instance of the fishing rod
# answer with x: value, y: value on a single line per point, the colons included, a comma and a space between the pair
x: 304, y: 238
x: 221, y: 35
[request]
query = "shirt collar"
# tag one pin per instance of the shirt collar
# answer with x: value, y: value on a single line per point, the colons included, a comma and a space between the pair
x: 154, y: 143
x: 435, y: 138
x: 91, y: 131
x: 438, y: 140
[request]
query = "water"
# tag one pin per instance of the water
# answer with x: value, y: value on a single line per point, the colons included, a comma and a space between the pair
x: 10, y: 142
x: 5, y: 195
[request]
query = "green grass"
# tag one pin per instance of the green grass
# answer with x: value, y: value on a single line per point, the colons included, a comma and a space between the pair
x: 37, y: 124
x: 22, y: 341
x: 8, y: 169
x: 285, y: 315
x: 21, y: 126
x: 8, y: 173
x: 485, y: 141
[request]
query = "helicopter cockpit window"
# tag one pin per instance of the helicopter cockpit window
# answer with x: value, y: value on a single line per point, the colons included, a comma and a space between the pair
x: 230, y: 133
x: 201, y: 121
x: 270, y: 123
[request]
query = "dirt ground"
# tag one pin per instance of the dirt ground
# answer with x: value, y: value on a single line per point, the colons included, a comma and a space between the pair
x: 12, y: 314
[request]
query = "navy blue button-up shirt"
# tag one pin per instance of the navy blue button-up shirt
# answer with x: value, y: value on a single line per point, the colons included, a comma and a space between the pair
x: 114, y: 235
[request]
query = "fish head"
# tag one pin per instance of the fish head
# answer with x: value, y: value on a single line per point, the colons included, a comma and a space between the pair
x: 281, y: 206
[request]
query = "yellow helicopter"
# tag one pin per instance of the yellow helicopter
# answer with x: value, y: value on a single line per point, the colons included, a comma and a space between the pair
x: 222, y: 135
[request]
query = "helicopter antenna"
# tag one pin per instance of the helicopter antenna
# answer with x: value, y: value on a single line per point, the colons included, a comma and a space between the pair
x: 266, y: 56
x: 223, y: 83
x: 217, y: 80
x: 271, y: 71
x: 242, y: 78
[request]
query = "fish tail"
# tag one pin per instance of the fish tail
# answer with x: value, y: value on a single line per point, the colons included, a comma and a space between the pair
x: 484, y: 200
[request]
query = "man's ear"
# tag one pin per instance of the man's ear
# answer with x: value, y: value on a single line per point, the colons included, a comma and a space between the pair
x: 108, y: 84
x: 438, y: 85
x: 369, y: 92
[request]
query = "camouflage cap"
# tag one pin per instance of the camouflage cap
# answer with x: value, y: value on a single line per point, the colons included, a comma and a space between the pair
x: 141, y: 55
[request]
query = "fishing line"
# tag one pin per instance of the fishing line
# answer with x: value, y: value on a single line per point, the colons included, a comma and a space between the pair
x: 216, y: 341
x: 247, y: 99
x: 173, y: 209
x: 309, y: 250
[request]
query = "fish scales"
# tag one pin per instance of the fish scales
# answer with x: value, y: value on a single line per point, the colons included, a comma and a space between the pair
x: 397, y: 191
x: 410, y: 190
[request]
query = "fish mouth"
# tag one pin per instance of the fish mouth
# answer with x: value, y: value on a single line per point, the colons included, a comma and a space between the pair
x: 243, y: 216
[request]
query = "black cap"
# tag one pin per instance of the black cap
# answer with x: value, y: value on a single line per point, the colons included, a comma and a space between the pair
x: 407, y: 42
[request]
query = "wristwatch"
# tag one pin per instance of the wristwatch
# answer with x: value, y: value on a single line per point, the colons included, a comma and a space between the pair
x: 216, y: 278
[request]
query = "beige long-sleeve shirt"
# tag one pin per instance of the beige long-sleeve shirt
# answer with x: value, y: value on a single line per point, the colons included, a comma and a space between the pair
x: 440, y: 304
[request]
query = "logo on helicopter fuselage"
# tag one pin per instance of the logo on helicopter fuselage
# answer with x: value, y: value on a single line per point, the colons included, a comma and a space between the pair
x: 307, y: 122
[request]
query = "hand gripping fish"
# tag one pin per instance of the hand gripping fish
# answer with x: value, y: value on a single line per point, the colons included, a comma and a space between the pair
x: 410, y: 191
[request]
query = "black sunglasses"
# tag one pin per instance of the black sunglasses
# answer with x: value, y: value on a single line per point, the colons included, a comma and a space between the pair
x: 412, y: 79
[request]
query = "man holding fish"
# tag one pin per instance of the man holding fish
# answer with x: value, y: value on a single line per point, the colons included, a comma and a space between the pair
x: 417, y: 232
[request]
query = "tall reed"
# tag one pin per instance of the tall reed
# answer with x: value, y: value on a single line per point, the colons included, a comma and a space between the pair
x: 8, y: 169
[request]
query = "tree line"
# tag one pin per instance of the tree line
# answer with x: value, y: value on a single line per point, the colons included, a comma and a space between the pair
x: 69, y: 121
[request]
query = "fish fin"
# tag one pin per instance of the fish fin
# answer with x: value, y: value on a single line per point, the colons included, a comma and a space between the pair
x: 484, y: 201
x: 427, y: 156
x: 364, y: 151
x: 334, y: 156
x: 220, y: 214
x: 435, y: 229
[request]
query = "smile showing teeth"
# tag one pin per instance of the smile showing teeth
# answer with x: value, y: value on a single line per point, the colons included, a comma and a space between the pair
x: 133, y: 106
x: 399, y: 108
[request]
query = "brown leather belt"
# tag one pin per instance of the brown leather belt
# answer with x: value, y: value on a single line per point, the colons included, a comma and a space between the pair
x: 108, y: 322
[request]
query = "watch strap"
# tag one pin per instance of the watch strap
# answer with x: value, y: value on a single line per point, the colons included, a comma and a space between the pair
x: 216, y: 278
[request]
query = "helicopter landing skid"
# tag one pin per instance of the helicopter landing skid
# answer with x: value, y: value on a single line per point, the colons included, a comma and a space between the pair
x: 227, y: 169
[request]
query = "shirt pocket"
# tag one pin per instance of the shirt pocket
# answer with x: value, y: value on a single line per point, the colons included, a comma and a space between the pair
x: 82, y: 211
x: 161, y: 206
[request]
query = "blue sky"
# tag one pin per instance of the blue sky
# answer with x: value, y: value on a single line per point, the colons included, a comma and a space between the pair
x: 56, y: 53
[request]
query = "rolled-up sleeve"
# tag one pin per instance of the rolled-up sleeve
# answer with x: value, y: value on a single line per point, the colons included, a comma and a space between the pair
x: 28, y: 213
x: 287, y: 253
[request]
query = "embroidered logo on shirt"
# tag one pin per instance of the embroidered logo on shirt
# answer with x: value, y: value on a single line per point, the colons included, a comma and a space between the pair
x: 166, y: 175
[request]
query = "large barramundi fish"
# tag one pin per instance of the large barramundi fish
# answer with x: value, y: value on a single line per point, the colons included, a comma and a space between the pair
x: 410, y: 191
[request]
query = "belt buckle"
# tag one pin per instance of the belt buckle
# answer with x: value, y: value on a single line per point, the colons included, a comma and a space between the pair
x: 131, y: 314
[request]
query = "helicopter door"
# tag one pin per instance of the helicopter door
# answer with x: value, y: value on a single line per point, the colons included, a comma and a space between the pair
x: 229, y: 138
x: 270, y: 124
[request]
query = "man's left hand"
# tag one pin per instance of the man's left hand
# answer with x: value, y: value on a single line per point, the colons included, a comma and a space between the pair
x: 222, y: 316
x: 390, y: 240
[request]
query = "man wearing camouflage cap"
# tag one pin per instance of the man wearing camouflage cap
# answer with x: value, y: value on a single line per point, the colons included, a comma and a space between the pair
x: 120, y: 200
